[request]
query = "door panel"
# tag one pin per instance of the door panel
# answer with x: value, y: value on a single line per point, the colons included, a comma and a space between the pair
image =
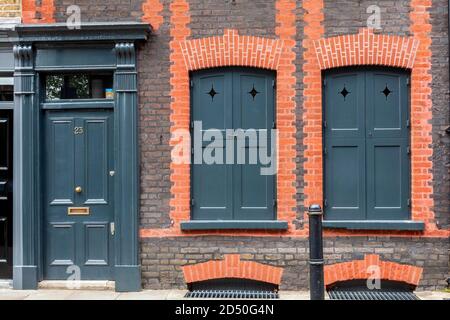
x: 61, y: 244
x: 96, y: 160
x: 345, y: 185
x: 344, y: 98
x: 233, y: 99
x: 367, y: 165
x: 62, y: 161
x: 96, y: 244
x: 6, y: 183
x: 79, y: 207
x: 388, y: 179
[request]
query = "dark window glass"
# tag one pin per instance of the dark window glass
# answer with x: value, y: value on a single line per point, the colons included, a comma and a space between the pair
x: 78, y: 86
x: 6, y: 89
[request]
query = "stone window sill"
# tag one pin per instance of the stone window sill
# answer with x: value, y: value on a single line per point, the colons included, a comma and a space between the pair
x: 234, y: 225
x: 398, y: 225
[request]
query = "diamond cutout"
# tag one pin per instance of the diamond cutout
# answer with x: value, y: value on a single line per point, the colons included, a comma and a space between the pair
x: 386, y: 91
x: 344, y: 92
x: 212, y: 92
x: 253, y: 92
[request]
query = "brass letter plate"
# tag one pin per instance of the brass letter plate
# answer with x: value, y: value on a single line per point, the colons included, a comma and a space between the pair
x: 78, y: 211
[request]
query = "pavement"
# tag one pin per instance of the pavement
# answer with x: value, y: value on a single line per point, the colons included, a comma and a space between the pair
x: 83, y: 294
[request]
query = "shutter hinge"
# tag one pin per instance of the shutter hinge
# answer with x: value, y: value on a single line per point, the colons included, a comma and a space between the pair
x: 274, y: 203
x: 274, y: 125
x: 408, y: 123
x: 192, y: 202
x: 408, y: 149
x: 408, y: 81
x: 192, y: 125
x: 325, y: 124
x: 191, y: 83
x: 325, y: 203
x: 408, y: 202
x: 274, y: 83
x: 324, y: 82
x: 325, y: 151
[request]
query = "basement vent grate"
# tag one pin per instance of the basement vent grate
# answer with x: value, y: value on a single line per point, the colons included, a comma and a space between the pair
x: 232, y: 294
x: 371, y: 295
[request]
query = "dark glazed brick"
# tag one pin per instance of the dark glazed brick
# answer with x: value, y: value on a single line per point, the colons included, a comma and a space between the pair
x: 163, y: 271
x: 347, y: 16
x: 154, y: 126
x: 101, y: 10
x: 211, y: 17
x: 440, y: 99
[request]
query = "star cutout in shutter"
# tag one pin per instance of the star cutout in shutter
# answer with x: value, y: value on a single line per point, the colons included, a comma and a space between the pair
x: 212, y: 92
x: 253, y: 92
x: 344, y: 92
x: 386, y: 91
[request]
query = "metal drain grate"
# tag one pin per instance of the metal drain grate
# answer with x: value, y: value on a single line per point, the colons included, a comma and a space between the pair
x: 232, y: 294
x: 371, y: 295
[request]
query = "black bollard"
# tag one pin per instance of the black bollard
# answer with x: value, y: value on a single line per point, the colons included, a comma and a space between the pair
x: 316, y: 281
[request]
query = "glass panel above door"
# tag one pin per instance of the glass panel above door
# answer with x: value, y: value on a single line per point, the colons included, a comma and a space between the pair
x: 78, y: 86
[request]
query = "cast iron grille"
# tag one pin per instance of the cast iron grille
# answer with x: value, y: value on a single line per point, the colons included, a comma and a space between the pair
x: 371, y: 295
x: 357, y: 290
x: 232, y: 294
x: 229, y: 288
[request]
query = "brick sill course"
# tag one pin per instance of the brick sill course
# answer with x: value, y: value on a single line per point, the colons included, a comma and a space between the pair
x: 407, y: 225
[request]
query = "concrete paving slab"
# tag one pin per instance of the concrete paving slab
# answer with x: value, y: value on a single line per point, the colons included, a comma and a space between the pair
x: 9, y: 294
x: 294, y: 295
x: 433, y: 295
x: 49, y: 295
x: 93, y: 295
x: 144, y: 295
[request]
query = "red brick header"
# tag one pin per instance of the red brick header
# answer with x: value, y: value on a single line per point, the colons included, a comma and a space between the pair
x: 231, y: 49
x: 46, y: 9
x: 232, y: 267
x: 152, y: 13
x: 358, y: 269
x: 366, y: 48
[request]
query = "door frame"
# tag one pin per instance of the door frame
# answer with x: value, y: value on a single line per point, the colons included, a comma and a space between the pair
x: 51, y: 48
x: 392, y: 70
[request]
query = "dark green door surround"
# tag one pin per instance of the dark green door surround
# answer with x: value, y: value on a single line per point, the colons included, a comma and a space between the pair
x: 39, y: 49
x: 366, y: 152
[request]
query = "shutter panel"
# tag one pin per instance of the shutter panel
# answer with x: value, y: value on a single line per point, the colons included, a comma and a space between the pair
x: 387, y: 146
x: 212, y: 183
x: 253, y: 105
x: 345, y: 146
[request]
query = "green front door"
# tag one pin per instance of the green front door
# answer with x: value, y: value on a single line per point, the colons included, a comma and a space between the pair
x: 233, y: 99
x: 78, y: 201
x: 366, y: 152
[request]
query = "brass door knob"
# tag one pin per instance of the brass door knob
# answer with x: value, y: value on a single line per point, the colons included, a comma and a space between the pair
x: 78, y: 189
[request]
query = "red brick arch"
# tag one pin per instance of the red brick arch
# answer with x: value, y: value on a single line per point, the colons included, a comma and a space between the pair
x: 232, y: 267
x: 366, y: 48
x: 231, y: 49
x: 358, y: 270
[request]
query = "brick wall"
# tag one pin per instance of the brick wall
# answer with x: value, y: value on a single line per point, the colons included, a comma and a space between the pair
x: 161, y: 77
x: 348, y: 16
x: 440, y: 108
x: 10, y: 9
x: 162, y: 258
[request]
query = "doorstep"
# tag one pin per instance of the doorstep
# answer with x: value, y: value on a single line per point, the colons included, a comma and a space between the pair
x: 77, y: 285
x: 5, y: 284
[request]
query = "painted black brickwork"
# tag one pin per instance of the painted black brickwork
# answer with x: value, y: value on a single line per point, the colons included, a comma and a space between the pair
x: 210, y: 17
x: 440, y: 99
x: 101, y: 10
x: 347, y: 16
x: 162, y: 258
